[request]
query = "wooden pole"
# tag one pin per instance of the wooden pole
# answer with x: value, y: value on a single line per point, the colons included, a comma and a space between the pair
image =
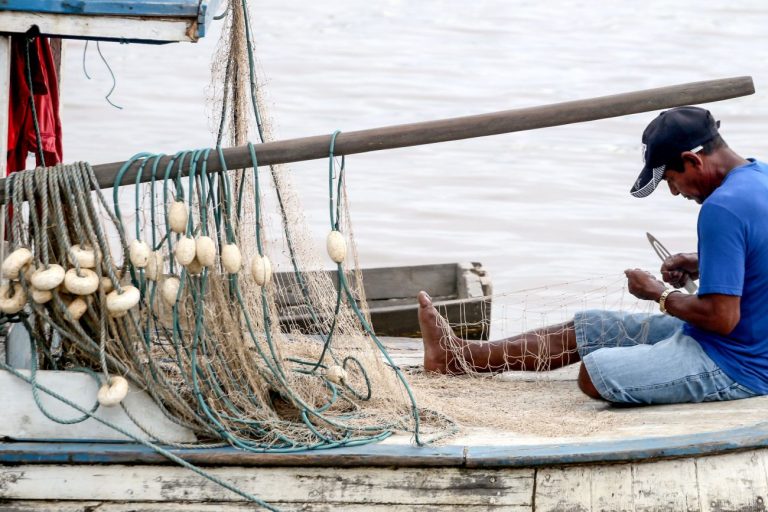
x: 430, y: 132
x: 5, y: 91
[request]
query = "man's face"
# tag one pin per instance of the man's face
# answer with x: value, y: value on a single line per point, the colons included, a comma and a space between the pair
x: 689, y: 183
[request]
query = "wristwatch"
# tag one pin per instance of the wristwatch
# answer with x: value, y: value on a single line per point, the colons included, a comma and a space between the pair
x: 663, y: 299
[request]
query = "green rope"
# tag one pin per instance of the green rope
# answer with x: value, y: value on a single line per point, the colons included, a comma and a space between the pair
x: 220, y: 401
x: 158, y: 449
x: 204, y: 379
x: 343, y: 285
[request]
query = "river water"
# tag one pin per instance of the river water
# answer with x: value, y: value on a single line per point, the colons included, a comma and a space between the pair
x: 536, y: 208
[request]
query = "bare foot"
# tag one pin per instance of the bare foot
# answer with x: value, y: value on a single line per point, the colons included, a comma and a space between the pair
x: 438, y: 358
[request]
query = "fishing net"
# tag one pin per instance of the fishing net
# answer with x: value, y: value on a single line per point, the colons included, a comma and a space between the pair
x: 171, y: 289
x: 186, y: 305
x: 198, y: 333
x: 532, y: 396
x: 527, y: 325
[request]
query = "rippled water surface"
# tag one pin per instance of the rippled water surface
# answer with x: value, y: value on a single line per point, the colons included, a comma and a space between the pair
x: 538, y: 207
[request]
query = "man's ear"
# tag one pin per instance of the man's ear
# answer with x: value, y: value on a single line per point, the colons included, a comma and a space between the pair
x: 692, y: 159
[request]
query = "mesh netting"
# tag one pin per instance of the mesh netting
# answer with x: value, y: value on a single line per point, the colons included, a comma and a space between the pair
x: 183, y: 303
x: 185, y: 306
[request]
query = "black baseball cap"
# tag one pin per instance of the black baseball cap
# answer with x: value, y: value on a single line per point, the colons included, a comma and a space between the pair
x: 672, y: 132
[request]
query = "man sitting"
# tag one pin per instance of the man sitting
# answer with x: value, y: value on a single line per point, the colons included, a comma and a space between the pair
x: 710, y: 346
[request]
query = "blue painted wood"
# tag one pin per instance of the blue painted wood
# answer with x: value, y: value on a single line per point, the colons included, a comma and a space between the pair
x: 173, y: 8
x: 389, y: 455
x: 375, y: 455
x: 202, y: 11
x: 630, y: 450
x: 208, y: 10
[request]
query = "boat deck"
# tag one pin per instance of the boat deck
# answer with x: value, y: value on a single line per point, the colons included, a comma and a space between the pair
x: 594, y: 421
x: 709, y: 456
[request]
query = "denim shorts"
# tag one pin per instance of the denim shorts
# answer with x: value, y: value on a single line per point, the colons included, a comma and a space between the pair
x: 646, y: 359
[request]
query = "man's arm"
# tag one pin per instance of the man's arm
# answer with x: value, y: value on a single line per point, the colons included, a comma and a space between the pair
x: 712, y: 312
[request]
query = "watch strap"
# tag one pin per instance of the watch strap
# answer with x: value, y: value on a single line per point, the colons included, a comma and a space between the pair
x: 663, y: 299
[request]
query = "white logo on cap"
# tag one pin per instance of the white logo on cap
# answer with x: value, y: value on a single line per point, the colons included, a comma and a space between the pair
x: 645, y: 147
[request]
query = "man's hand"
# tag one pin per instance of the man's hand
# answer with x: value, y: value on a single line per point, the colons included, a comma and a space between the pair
x: 678, y: 268
x: 712, y: 312
x: 643, y: 285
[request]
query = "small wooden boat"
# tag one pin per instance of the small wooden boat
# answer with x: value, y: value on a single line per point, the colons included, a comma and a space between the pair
x: 461, y: 292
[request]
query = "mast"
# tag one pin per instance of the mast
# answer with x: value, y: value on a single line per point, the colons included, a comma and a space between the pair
x: 457, y: 128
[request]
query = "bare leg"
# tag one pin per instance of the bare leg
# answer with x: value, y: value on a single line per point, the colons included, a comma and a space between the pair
x: 542, y: 349
x: 585, y: 384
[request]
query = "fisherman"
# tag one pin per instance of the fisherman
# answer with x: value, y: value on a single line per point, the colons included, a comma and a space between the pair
x: 709, y: 346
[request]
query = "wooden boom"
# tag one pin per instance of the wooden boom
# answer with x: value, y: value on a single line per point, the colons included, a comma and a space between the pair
x: 457, y: 128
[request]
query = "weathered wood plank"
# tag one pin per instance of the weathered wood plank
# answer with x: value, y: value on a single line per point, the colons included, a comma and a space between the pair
x: 102, y: 506
x: 563, y: 489
x: 651, y: 486
x: 725, y: 482
x: 402, y: 454
x: 734, y: 481
x: 478, y: 449
x: 457, y: 290
x: 406, y: 282
x: 473, y: 281
x: 666, y: 485
x: 589, y: 488
x: 405, y: 486
x: 386, y: 282
x: 5, y: 86
x: 101, y: 27
x: 627, y: 447
x: 612, y: 487
x: 188, y: 8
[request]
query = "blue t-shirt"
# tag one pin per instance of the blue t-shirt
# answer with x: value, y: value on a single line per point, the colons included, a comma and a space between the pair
x: 733, y: 260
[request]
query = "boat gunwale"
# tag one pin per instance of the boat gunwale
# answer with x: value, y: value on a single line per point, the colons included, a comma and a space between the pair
x: 391, y: 455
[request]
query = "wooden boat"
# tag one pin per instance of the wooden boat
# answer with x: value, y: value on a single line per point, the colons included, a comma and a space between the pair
x: 686, y: 457
x: 461, y: 291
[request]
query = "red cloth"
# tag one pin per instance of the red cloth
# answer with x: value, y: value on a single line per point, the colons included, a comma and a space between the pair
x: 21, y: 128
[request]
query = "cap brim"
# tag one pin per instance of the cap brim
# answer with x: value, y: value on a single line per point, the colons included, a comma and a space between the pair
x: 649, y: 179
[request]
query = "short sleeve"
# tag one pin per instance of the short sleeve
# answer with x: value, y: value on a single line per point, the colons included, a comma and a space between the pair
x: 722, y: 251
